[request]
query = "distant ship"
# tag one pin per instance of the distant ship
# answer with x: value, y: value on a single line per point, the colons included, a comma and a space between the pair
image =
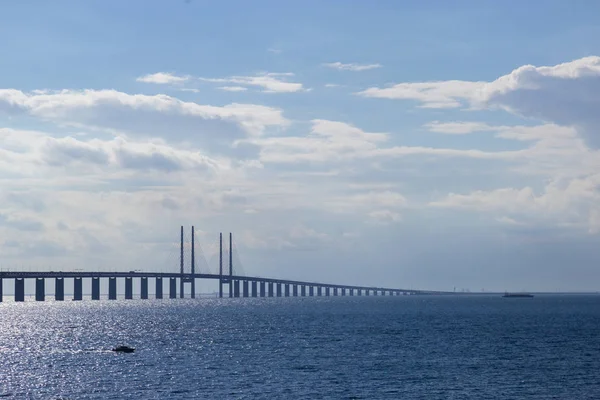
x: 507, y: 294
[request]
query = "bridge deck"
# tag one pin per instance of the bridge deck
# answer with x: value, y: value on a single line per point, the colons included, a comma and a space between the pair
x: 137, y: 274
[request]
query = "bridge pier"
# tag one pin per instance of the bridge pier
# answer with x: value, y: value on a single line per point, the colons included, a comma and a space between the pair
x: 254, y: 294
x: 77, y: 289
x: 287, y: 290
x: 262, y: 289
x: 144, y: 287
x: 95, y: 288
x: 295, y: 290
x: 236, y: 289
x: 343, y: 291
x: 335, y: 291
x: 311, y: 291
x: 40, y: 289
x: 59, y: 289
x: 327, y: 290
x: 0, y: 290
x: 112, y: 288
x: 172, y: 288
x: 351, y: 292
x: 270, y: 287
x: 303, y: 290
x: 128, y: 288
x: 278, y: 290
x: 245, y: 291
x: 159, y: 288
x: 19, y: 289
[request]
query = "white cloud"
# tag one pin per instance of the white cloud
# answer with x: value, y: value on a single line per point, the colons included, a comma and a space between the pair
x: 114, y: 109
x: 162, y: 78
x: 35, y: 149
x: 458, y: 127
x: 545, y: 132
x: 351, y: 66
x: 270, y: 82
x: 565, y: 94
x: 233, y: 88
x: 385, y: 216
x: 563, y: 200
x: 439, y: 94
x: 333, y: 141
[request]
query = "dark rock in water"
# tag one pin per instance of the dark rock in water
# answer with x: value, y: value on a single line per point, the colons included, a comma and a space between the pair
x: 123, y: 349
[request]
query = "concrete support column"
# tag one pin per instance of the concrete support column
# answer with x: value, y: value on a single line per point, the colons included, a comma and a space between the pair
x: 77, y: 289
x: 112, y: 288
x: 351, y: 292
x: 172, y: 288
x: 236, y: 288
x: 0, y: 290
x: 19, y: 289
x: 311, y: 291
x: 366, y: 292
x: 245, y: 291
x: 144, y: 288
x: 327, y: 290
x: 96, y: 288
x: 270, y: 289
x: 262, y: 289
x: 343, y: 291
x: 59, y: 289
x: 254, y: 294
x: 335, y: 291
x: 303, y: 291
x: 375, y: 292
x: 295, y: 290
x: 287, y: 290
x: 128, y: 288
x: 319, y: 291
x: 279, y: 290
x: 159, y: 288
x: 40, y: 289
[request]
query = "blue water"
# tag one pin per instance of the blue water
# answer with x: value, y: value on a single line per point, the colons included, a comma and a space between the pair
x: 409, y: 347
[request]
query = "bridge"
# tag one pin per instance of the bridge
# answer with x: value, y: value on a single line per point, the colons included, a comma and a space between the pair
x: 237, y: 285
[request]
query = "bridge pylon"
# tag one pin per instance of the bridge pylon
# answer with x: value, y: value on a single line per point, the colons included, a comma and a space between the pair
x: 225, y: 279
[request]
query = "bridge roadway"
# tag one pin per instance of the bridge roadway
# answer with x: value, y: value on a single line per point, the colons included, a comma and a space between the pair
x: 233, y: 281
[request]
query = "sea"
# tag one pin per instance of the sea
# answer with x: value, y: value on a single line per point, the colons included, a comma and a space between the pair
x: 402, y: 347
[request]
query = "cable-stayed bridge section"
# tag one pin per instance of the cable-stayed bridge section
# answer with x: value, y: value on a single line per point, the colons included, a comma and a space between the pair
x: 232, y: 281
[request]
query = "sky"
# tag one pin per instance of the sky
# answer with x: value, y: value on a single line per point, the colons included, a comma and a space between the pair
x: 415, y: 144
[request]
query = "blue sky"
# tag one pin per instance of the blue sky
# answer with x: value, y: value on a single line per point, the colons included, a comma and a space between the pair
x: 426, y: 144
